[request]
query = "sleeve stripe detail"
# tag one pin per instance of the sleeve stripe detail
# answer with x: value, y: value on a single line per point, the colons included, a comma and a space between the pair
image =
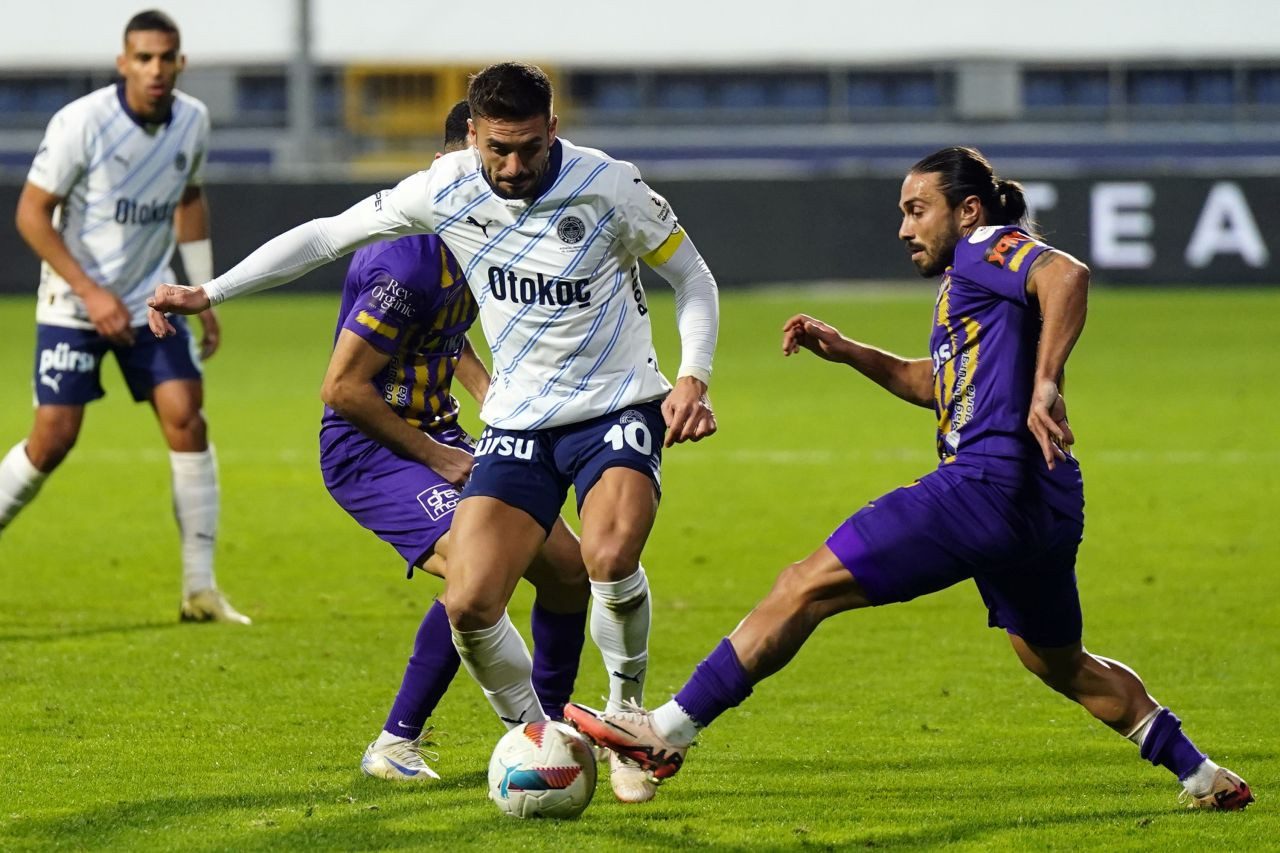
x: 364, y: 318
x: 663, y: 253
x: 1021, y: 255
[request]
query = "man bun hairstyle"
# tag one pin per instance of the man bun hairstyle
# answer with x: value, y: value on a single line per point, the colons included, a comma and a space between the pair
x: 151, y: 20
x: 964, y: 172
x: 455, y: 126
x: 510, y: 91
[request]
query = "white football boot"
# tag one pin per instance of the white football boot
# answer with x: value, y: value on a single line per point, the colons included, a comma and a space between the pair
x: 210, y: 605
x: 1227, y: 792
x: 631, y: 783
x: 402, y: 760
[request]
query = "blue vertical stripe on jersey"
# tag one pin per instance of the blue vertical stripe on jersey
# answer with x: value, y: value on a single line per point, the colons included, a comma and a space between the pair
x: 455, y: 185
x: 497, y: 238
x: 558, y: 312
x: 626, y: 383
x: 170, y: 134
x: 582, y: 383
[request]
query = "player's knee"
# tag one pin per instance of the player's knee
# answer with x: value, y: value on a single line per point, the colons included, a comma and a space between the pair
x: 187, y: 431
x: 795, y: 587
x: 610, y: 559
x: 472, y: 611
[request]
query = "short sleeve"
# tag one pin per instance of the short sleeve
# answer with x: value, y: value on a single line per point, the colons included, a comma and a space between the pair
x: 998, y: 260
x: 385, y: 311
x: 196, y: 177
x: 62, y: 156
x: 645, y: 218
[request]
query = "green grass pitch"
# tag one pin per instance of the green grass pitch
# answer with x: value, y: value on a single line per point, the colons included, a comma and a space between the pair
x: 911, y: 726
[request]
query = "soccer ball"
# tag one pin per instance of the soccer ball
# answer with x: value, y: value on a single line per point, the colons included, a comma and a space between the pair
x: 542, y: 769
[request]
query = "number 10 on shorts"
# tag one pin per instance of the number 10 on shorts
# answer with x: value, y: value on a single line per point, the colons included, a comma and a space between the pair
x: 635, y: 435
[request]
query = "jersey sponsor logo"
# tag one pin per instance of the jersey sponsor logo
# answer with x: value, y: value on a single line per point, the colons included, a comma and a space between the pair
x: 377, y: 200
x: 132, y: 212
x: 180, y: 161
x: 637, y: 292
x: 506, y: 284
x: 505, y: 445
x: 439, y: 501
x: 391, y: 295
x: 664, y: 209
x: 571, y: 230
x: 63, y: 359
x: 1008, y: 248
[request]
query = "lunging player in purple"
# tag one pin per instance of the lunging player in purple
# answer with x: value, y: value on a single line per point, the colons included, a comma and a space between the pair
x: 1005, y: 507
x: 394, y: 457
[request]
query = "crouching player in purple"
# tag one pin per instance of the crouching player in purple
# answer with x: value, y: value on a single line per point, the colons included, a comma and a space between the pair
x: 1009, y: 311
x: 394, y: 457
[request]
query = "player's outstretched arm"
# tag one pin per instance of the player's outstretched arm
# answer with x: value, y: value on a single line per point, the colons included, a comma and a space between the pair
x: 349, y: 390
x: 1061, y: 285
x: 34, y: 221
x: 293, y: 254
x: 908, y: 378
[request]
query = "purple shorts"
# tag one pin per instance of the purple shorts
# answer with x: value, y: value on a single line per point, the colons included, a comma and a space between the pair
x: 68, y: 370
x: 954, y: 524
x: 405, y: 503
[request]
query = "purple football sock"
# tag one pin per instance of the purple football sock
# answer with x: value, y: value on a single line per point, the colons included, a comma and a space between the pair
x: 557, y: 650
x: 1167, y: 746
x: 718, y: 684
x: 431, y: 667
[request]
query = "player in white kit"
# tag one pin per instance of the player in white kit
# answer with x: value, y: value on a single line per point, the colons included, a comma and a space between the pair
x: 114, y: 183
x: 548, y: 235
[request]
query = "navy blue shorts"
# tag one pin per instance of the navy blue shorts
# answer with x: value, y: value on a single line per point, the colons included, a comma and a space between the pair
x: 532, y: 470
x: 952, y: 525
x: 68, y: 369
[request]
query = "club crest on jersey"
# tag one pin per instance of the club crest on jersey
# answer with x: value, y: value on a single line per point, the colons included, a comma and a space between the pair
x: 571, y: 230
x: 439, y: 501
x: 180, y: 162
x: 506, y: 284
x: 631, y: 416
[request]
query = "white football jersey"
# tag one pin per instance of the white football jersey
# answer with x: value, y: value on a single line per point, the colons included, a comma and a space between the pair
x: 120, y: 182
x: 556, y: 279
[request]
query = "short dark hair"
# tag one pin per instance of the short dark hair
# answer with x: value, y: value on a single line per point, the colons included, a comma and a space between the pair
x: 510, y: 91
x: 963, y: 172
x: 151, y: 20
x: 455, y: 126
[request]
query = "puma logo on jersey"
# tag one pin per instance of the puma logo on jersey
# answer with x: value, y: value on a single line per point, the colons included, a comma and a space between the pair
x: 121, y: 160
x: 505, y: 284
x: 471, y: 220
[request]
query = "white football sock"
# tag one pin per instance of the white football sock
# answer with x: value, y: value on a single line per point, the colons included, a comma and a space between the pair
x: 620, y: 628
x: 1200, y: 783
x: 386, y: 738
x: 499, y: 661
x: 195, y: 506
x: 19, y: 482
x: 674, y: 724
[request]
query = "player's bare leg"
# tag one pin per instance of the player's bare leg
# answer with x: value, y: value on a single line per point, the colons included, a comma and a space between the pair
x: 617, y: 516
x: 177, y: 405
x: 804, y: 594
x: 24, y: 468
x: 493, y: 543
x: 401, y: 750
x: 1116, y: 696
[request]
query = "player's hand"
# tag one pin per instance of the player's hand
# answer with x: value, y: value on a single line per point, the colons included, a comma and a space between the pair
x: 1048, y: 422
x: 450, y: 462
x: 174, y: 299
x: 687, y: 411
x: 814, y: 335
x: 211, y: 333
x: 108, y: 315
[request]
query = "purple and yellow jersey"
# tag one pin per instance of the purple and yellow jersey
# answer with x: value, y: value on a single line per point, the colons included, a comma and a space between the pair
x: 983, y: 345
x: 408, y: 299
